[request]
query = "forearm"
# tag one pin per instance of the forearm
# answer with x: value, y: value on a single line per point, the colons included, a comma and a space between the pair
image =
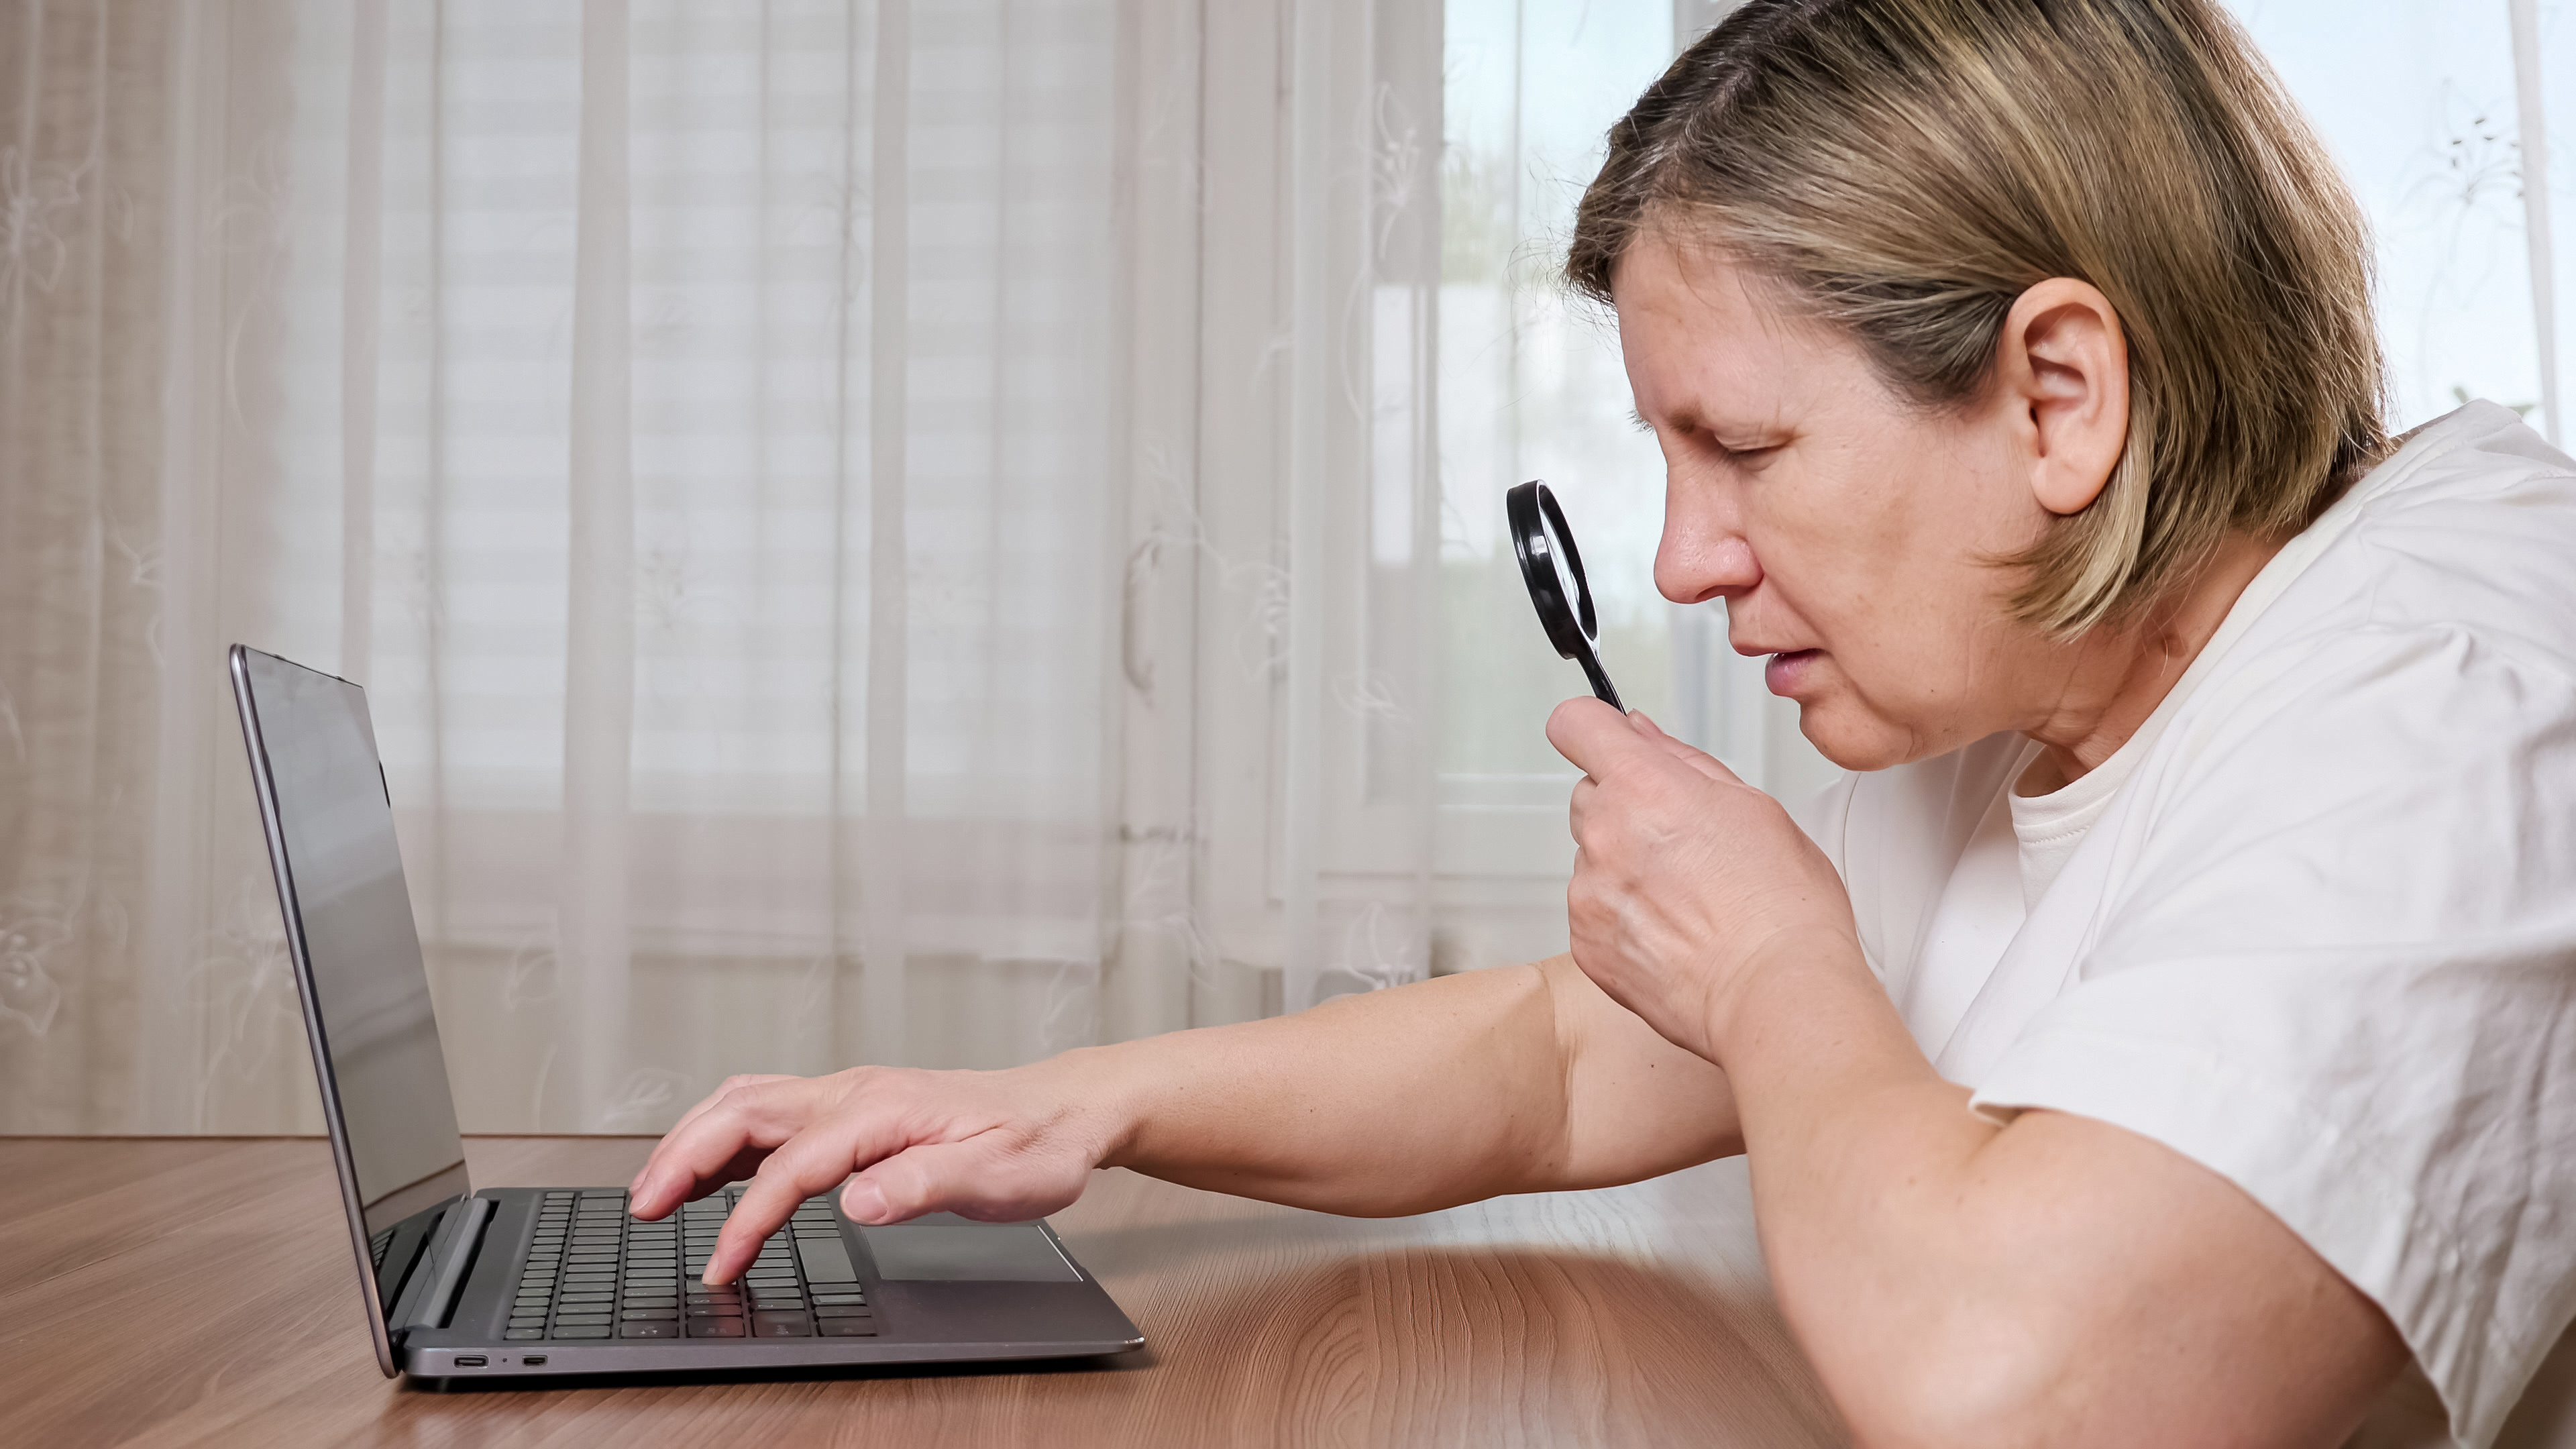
x: 2055, y: 1281
x: 1520, y: 1079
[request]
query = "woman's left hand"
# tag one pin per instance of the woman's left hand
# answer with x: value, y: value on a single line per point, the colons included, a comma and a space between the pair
x: 1686, y: 879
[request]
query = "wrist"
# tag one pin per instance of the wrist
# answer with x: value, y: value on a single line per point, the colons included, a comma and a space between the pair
x: 1781, y: 982
x: 1099, y: 1099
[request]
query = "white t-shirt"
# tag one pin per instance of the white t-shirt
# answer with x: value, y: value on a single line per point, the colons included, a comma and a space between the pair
x: 2314, y: 926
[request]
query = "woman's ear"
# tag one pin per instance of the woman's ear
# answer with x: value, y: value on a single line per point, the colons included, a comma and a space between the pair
x: 2063, y: 367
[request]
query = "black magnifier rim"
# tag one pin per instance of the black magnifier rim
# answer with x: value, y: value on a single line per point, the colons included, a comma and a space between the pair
x: 1538, y: 531
x: 1570, y: 623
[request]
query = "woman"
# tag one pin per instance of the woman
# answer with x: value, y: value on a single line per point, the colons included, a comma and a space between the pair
x: 2169, y: 1035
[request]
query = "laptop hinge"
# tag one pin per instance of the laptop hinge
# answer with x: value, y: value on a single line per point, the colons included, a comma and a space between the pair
x: 460, y: 1233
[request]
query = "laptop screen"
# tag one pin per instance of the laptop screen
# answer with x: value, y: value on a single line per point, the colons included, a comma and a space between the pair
x: 335, y: 826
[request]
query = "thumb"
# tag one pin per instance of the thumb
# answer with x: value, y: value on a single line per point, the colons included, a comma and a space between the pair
x: 975, y: 1178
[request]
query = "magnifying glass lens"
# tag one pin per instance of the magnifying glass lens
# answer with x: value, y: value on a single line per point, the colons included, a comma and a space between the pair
x: 1570, y: 585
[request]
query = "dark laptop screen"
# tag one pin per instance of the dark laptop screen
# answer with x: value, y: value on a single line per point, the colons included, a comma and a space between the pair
x: 337, y: 828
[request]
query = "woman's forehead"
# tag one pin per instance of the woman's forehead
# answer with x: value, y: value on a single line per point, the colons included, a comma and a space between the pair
x: 1701, y: 331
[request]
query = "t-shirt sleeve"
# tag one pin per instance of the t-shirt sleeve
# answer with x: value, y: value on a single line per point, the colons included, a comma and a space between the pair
x: 2337, y: 965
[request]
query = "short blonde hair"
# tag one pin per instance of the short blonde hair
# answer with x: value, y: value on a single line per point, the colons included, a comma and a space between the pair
x: 1905, y: 169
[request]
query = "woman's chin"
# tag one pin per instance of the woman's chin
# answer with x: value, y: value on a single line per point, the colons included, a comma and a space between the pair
x: 1849, y: 738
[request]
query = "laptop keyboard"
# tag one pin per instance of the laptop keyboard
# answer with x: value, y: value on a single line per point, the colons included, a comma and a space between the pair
x: 594, y: 1272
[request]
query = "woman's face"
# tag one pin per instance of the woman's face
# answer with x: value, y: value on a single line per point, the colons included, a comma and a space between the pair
x: 1848, y: 531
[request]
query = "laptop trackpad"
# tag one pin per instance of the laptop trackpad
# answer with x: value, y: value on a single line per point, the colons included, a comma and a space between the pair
x: 943, y: 1247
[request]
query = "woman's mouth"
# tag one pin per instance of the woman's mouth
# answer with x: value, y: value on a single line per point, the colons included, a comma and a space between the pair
x: 1786, y: 671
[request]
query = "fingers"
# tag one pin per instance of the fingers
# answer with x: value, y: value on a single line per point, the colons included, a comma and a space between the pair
x: 814, y: 1160
x: 636, y: 1190
x: 711, y: 1144
x: 1591, y: 734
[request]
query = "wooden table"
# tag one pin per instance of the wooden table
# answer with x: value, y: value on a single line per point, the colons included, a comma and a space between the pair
x: 199, y: 1291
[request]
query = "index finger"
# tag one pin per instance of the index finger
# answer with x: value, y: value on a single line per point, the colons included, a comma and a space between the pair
x: 1698, y: 759
x: 752, y: 1116
x: 636, y: 1201
x: 818, y: 1157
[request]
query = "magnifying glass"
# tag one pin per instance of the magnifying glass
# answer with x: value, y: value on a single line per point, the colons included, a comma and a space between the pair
x: 1554, y: 573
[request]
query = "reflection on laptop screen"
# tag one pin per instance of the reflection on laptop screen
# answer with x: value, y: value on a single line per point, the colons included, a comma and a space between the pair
x: 398, y: 1117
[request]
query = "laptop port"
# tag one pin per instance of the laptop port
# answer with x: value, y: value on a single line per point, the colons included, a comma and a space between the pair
x: 534, y: 1359
x: 470, y: 1360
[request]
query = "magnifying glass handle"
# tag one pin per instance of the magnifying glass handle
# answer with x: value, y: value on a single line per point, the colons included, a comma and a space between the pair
x: 1601, y: 688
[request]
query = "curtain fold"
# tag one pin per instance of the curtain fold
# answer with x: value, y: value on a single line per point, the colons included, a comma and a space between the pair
x: 806, y: 485
x: 922, y: 531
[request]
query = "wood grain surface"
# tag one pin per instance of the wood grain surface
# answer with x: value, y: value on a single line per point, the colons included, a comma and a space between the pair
x: 199, y: 1291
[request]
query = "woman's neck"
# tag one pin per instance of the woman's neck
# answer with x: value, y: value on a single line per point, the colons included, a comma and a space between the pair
x: 2119, y: 675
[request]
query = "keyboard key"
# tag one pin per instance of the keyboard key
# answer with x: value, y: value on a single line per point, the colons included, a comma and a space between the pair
x: 653, y: 1300
x: 781, y: 1325
x: 849, y: 1327
x: 525, y: 1333
x: 715, y: 1328
x: 648, y: 1330
x: 826, y: 1260
x: 822, y: 1295
x: 581, y: 1330
x: 844, y: 1311
x: 648, y: 1315
x: 527, y: 1320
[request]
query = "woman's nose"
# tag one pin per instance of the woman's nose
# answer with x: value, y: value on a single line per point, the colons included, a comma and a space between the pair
x: 1704, y: 554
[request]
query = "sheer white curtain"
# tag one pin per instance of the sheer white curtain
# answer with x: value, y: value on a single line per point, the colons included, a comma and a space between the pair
x: 902, y: 530
x: 874, y: 531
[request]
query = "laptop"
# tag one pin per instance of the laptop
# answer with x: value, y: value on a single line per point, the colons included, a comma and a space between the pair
x: 530, y: 1283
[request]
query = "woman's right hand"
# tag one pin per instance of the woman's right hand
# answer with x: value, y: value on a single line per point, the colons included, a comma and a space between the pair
x: 999, y: 1146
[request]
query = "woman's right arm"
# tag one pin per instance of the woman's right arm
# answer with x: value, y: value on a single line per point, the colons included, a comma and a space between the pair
x: 1524, y: 1079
